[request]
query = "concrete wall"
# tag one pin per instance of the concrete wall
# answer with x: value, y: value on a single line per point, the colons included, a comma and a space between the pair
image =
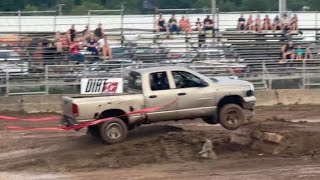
x: 52, y: 103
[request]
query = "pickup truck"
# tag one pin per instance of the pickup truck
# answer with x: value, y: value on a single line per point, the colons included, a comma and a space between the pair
x: 214, y: 100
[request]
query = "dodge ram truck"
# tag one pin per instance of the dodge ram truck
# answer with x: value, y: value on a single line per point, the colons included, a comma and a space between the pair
x: 214, y: 100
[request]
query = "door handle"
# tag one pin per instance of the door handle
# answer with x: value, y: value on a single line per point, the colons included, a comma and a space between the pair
x: 153, y: 96
x: 182, y: 94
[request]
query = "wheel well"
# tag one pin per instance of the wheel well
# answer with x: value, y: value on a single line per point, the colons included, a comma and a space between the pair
x: 115, y: 113
x: 230, y: 100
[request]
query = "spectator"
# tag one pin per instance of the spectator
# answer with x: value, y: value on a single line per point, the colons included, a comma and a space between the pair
x: 258, y: 24
x: 198, y: 25
x: 71, y: 34
x: 183, y: 24
x: 308, y: 53
x: 188, y: 26
x: 75, y: 51
x: 241, y: 23
x: 173, y: 26
x: 86, y: 34
x: 208, y: 24
x: 288, y: 52
x: 250, y: 23
x: 99, y: 32
x: 285, y: 23
x: 299, y: 53
x: 37, y: 54
x: 267, y: 23
x: 92, y: 46
x: 105, y: 48
x: 294, y: 23
x: 276, y: 24
x: 161, y: 24
x: 60, y: 42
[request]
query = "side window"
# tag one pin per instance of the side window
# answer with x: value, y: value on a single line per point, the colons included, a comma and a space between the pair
x: 134, y: 81
x: 186, y: 80
x: 159, y: 81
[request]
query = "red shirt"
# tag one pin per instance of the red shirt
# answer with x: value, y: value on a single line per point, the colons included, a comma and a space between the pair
x: 75, y: 48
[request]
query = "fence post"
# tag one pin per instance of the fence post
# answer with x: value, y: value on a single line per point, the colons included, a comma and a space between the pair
x: 7, y: 84
x: 19, y: 21
x: 47, y: 79
x: 304, y: 76
x: 89, y: 17
x: 316, y: 24
x: 122, y: 20
x: 55, y: 22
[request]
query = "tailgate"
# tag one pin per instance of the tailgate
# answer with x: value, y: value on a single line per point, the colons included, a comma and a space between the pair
x: 67, y: 103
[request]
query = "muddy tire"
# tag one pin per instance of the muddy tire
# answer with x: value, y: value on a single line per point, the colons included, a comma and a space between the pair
x: 94, y: 131
x: 231, y: 116
x: 113, y: 131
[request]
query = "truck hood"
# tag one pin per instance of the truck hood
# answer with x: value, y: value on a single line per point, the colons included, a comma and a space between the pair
x: 232, y: 81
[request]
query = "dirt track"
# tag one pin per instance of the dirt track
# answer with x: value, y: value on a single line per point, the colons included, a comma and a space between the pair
x: 167, y: 151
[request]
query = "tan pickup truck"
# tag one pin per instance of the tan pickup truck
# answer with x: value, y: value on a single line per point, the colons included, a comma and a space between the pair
x: 212, y: 99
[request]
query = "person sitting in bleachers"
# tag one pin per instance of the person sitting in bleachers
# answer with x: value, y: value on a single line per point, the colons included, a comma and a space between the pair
x: 241, y: 23
x: 299, y: 52
x: 267, y: 23
x: 258, y: 24
x: 294, y: 23
x: 75, y: 51
x: 183, y: 24
x: 173, y: 24
x: 250, y: 23
x: 60, y: 42
x: 198, y: 25
x: 276, y: 24
x: 208, y: 24
x: 105, y: 48
x: 285, y: 23
x: 161, y: 24
x: 92, y: 46
x: 188, y: 26
x: 288, y: 52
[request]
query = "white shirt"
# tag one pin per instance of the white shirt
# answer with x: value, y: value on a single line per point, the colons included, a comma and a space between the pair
x: 101, y: 43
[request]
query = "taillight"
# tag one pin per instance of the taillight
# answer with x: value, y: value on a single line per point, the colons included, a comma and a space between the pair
x: 75, y: 110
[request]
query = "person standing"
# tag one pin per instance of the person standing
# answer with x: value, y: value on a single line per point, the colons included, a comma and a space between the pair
x: 71, y: 34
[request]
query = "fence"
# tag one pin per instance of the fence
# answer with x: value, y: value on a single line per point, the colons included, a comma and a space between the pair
x: 50, y: 21
x: 65, y: 79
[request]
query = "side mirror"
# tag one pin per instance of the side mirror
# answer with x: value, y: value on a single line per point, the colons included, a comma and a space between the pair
x: 204, y: 84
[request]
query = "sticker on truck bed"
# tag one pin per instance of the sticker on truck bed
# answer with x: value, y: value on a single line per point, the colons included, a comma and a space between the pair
x: 101, y: 85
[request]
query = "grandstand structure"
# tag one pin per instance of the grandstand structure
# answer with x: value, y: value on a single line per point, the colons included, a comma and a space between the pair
x: 249, y: 56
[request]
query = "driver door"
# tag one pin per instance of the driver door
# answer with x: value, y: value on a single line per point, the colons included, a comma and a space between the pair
x: 195, y: 97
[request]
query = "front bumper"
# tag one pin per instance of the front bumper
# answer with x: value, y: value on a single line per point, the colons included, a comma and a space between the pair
x: 249, y: 103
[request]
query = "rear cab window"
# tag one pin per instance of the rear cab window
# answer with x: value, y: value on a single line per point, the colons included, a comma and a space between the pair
x: 134, y: 82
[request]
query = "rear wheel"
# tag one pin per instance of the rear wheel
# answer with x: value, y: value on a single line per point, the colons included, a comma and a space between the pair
x: 231, y: 116
x: 113, y: 131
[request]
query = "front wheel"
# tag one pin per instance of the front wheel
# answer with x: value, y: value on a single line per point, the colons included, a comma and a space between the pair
x: 113, y: 131
x: 232, y: 116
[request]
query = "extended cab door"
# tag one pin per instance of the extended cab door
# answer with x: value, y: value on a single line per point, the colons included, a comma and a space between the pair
x: 196, y: 98
x: 158, y: 92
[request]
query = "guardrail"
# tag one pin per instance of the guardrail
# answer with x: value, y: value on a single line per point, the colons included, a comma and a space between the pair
x: 65, y: 79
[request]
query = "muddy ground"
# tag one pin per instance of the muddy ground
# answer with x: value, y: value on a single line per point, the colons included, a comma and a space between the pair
x: 168, y: 150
